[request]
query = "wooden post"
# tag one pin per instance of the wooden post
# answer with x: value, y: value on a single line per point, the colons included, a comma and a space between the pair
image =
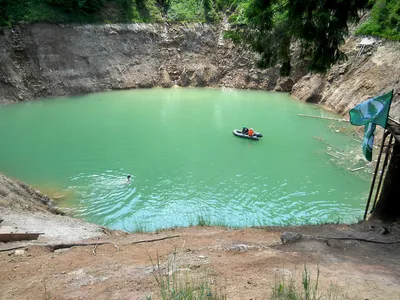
x: 382, y: 172
x: 388, y: 205
x: 385, y: 134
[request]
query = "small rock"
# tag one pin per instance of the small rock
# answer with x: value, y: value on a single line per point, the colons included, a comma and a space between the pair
x: 239, y: 247
x: 193, y: 267
x: 383, y: 230
x: 287, y: 237
x: 61, y: 250
x: 19, y: 252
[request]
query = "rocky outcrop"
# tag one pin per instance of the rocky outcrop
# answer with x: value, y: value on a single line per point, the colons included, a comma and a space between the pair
x: 41, y: 60
x: 368, y: 72
x: 16, y: 195
x: 284, y: 84
x: 165, y: 80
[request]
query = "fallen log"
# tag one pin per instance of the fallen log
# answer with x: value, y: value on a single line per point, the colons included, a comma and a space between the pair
x: 70, y: 245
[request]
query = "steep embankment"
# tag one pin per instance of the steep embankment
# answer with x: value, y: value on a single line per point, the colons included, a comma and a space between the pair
x: 17, y: 195
x: 24, y: 209
x: 364, y: 75
x: 42, y: 60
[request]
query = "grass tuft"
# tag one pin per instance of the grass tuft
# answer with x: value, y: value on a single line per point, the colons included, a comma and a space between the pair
x: 203, y: 221
x: 288, y: 289
x: 177, y: 283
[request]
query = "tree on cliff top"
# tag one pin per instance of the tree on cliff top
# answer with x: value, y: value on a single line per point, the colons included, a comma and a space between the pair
x: 384, y: 20
x: 319, y: 26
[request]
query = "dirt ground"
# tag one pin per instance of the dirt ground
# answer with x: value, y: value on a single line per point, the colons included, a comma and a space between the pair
x: 239, y: 263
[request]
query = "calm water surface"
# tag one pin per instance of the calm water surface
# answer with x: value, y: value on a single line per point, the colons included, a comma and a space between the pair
x: 185, y: 163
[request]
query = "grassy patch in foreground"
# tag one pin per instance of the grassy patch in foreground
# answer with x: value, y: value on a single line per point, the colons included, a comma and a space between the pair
x: 308, y: 289
x: 175, y: 282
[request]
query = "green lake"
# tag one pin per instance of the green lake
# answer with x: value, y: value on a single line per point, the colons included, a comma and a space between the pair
x: 186, y: 165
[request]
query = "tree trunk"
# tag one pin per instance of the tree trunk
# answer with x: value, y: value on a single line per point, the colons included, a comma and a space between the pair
x: 388, y: 206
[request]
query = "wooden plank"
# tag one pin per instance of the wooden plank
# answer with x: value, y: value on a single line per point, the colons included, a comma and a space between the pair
x: 18, y: 236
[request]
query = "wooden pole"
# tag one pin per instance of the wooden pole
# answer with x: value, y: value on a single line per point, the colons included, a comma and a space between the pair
x: 325, y: 118
x: 383, y: 171
x: 385, y: 133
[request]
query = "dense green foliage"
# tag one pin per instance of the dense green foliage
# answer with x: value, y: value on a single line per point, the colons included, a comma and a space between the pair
x: 318, y: 26
x: 110, y: 11
x: 64, y: 11
x: 384, y: 20
x: 269, y: 26
x: 83, y: 6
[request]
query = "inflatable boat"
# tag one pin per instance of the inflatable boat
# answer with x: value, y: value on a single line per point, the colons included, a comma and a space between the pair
x: 239, y: 133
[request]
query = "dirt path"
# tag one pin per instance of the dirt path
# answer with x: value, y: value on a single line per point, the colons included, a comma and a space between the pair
x: 243, y: 264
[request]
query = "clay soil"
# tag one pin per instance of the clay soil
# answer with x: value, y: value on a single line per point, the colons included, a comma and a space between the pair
x: 238, y: 263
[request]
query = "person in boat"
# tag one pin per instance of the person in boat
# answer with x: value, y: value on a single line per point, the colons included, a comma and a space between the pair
x: 251, y: 132
x: 245, y: 130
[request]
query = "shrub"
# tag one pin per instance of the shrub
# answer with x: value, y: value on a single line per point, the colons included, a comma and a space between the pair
x: 88, y: 6
x: 384, y: 20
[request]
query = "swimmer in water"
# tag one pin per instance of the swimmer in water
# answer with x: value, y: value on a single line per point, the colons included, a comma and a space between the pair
x: 128, y: 179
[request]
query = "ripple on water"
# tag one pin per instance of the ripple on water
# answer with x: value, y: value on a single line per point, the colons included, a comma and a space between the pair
x: 184, y: 161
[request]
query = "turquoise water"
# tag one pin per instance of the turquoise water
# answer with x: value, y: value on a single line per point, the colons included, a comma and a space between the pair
x: 185, y: 163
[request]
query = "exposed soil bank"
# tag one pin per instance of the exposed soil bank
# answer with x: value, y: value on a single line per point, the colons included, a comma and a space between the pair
x: 41, y: 60
x: 24, y: 209
x: 243, y: 264
x: 364, y: 75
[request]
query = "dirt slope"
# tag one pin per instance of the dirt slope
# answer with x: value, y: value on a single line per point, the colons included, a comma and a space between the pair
x: 240, y: 263
x: 365, y: 74
x: 40, y: 60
